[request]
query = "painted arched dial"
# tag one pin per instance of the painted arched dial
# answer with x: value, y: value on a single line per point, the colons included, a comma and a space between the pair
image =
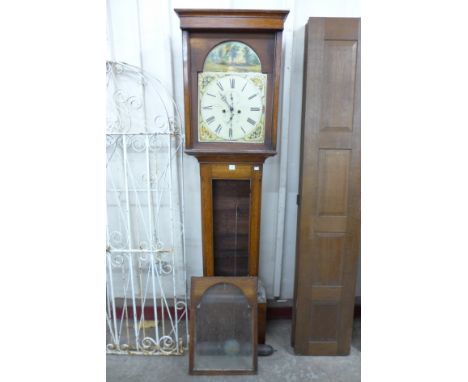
x: 232, y: 56
x: 232, y: 107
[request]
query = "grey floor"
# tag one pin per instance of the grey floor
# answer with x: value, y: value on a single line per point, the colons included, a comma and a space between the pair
x: 283, y: 365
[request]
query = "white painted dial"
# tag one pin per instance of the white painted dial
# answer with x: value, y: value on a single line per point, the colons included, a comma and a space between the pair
x: 232, y: 106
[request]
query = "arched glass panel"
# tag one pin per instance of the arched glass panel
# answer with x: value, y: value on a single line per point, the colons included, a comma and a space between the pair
x: 232, y: 56
x: 223, y: 330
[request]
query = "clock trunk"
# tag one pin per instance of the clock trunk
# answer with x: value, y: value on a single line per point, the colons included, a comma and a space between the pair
x: 231, y: 223
x: 231, y: 167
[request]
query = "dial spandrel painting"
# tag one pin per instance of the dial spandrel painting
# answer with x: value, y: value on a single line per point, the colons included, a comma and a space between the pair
x: 231, y: 107
x: 232, y: 56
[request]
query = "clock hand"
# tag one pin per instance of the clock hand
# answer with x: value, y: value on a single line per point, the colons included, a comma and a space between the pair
x: 232, y: 103
x: 223, y: 98
x: 231, y: 109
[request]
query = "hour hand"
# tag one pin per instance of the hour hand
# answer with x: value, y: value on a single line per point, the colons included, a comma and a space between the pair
x: 223, y: 98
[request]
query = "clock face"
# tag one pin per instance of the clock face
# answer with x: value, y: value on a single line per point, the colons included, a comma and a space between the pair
x: 232, y: 107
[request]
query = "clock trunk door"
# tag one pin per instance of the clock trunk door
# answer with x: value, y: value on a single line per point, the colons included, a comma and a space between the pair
x: 230, y: 218
x: 231, y: 221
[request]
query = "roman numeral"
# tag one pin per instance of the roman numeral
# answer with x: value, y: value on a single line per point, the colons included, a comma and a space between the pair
x: 244, y: 87
x: 254, y: 109
x: 251, y: 121
x: 242, y: 129
x: 208, y: 107
x: 219, y: 85
x: 212, y: 95
x: 233, y: 82
x: 230, y: 133
x: 252, y: 96
x: 211, y: 119
x: 218, y: 129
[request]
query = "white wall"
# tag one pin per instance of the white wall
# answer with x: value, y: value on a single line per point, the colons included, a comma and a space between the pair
x: 146, y: 33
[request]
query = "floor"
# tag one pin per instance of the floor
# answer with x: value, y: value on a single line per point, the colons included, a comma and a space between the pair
x: 283, y: 365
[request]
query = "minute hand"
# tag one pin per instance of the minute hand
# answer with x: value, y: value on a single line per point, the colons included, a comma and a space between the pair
x: 223, y: 98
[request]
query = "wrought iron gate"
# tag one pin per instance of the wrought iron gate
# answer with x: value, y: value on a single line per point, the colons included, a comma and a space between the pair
x: 145, y: 255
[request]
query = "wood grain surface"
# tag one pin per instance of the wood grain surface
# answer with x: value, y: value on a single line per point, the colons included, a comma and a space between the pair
x: 328, y: 232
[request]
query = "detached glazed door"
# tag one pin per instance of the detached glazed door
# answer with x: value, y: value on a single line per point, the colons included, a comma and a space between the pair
x: 329, y: 193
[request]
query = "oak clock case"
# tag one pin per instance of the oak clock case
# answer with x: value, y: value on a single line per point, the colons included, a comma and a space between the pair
x: 232, y: 63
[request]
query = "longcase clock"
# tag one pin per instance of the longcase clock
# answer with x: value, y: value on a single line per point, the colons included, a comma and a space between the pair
x: 232, y: 66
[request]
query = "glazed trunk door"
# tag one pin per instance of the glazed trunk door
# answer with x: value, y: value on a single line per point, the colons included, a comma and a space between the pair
x: 230, y: 218
x: 231, y: 223
x: 329, y: 193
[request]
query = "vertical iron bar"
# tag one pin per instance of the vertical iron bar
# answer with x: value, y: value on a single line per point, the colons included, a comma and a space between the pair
x: 150, y: 220
x: 111, y: 282
x: 182, y: 216
x: 125, y: 282
x: 142, y: 300
x: 155, y: 300
x: 171, y: 206
x: 129, y: 236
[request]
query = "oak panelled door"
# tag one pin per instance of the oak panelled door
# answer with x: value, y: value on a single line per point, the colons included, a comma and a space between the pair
x: 329, y: 192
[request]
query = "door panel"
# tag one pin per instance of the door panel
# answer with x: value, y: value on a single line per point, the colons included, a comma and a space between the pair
x: 328, y: 259
x: 338, y: 85
x: 329, y: 191
x: 333, y: 182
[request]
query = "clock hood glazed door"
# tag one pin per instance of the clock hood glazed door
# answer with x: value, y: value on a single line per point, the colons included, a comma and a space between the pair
x: 263, y: 139
x: 241, y: 41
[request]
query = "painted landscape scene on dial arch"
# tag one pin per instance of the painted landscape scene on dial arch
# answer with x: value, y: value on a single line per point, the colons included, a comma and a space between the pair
x: 232, y: 56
